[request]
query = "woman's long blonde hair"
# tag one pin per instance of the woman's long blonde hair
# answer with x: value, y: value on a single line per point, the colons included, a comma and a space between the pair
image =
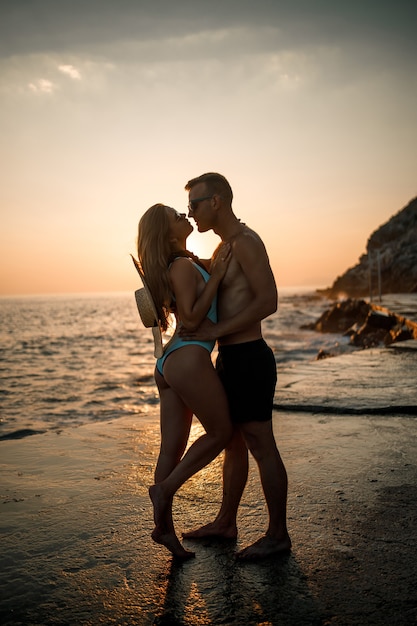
x: 155, y: 254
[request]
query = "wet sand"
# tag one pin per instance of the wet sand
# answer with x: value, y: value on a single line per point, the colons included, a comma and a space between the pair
x: 76, y: 517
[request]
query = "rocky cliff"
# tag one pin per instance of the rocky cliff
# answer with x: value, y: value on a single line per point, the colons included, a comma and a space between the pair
x: 390, y: 263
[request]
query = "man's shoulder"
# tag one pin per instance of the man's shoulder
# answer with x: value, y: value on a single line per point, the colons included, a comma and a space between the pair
x: 247, y: 238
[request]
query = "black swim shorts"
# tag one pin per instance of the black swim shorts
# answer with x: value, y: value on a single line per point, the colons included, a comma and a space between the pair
x: 249, y: 375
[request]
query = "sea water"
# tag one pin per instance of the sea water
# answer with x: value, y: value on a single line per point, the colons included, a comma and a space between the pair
x: 66, y: 360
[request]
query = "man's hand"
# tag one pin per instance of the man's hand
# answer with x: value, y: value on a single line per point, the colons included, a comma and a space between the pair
x: 205, y: 332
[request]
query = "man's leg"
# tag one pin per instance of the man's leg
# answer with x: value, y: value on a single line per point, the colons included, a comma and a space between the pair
x: 260, y: 440
x: 235, y: 474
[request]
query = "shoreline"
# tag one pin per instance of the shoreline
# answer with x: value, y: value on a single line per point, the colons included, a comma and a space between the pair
x: 76, y: 519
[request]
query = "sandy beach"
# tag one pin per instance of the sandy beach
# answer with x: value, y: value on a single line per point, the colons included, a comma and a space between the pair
x: 76, y: 517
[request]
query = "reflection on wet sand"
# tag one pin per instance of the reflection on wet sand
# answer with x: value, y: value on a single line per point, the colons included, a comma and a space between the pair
x: 217, y: 589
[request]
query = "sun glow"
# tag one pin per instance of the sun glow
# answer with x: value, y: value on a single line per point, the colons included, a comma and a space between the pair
x: 202, y: 244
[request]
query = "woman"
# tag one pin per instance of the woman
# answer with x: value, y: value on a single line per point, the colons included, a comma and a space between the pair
x: 186, y: 379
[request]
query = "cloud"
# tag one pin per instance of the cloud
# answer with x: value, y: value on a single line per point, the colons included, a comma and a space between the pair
x: 42, y: 86
x: 84, y: 26
x: 71, y: 71
x: 267, y: 47
x: 53, y: 73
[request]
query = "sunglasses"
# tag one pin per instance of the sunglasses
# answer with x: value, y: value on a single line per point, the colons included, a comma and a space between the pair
x: 193, y: 204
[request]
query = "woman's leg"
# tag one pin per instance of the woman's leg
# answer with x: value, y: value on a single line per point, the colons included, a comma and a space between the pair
x: 190, y: 373
x: 235, y: 474
x: 175, y: 423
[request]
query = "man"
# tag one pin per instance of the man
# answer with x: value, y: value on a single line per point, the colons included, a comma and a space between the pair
x: 246, y: 366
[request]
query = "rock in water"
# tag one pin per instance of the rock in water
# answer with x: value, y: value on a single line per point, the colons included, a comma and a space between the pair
x: 367, y: 325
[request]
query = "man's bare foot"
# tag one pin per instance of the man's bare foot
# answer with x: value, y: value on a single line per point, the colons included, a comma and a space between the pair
x: 214, y: 530
x: 265, y: 547
x: 160, y: 504
x: 171, y: 541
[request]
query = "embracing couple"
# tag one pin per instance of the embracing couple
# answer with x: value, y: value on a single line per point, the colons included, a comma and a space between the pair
x: 223, y: 299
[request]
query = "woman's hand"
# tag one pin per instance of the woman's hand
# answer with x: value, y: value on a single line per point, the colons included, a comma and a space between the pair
x: 221, y: 261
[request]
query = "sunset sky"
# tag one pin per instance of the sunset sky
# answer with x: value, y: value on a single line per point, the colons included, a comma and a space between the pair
x: 308, y: 107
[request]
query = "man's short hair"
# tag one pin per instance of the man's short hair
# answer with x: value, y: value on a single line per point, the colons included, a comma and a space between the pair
x: 215, y: 184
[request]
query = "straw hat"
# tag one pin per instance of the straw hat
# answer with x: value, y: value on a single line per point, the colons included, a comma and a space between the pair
x: 146, y: 308
x: 147, y: 312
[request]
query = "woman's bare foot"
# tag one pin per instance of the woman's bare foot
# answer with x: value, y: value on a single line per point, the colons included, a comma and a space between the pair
x: 265, y: 547
x: 171, y: 541
x: 214, y: 530
x: 160, y: 504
